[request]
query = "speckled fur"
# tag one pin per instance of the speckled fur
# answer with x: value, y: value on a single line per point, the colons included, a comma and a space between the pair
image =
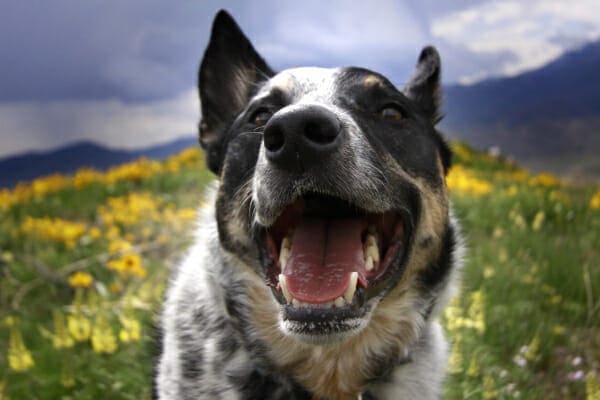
x: 223, y: 334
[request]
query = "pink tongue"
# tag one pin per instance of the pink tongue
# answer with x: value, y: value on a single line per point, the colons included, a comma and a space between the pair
x: 324, y: 254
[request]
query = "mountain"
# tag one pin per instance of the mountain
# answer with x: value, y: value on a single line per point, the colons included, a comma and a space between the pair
x: 547, y: 118
x: 68, y: 159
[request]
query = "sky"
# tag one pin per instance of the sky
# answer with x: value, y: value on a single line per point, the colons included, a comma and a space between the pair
x: 123, y: 72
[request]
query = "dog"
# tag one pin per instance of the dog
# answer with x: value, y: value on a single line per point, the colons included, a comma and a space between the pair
x: 329, y: 249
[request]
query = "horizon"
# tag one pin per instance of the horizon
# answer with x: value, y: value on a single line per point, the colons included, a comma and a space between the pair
x: 93, y: 71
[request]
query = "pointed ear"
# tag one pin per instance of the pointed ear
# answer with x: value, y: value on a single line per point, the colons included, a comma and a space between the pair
x: 229, y: 74
x: 424, y: 86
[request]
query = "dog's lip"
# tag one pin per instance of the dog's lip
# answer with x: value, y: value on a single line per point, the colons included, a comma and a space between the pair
x: 370, y: 283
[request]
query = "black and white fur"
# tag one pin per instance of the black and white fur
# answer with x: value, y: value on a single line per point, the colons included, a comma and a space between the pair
x: 224, y: 334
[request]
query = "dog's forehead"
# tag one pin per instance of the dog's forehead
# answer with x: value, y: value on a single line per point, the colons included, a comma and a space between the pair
x: 297, y: 83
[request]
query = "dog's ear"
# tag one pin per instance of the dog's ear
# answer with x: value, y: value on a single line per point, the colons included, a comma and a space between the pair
x: 230, y: 72
x: 424, y: 86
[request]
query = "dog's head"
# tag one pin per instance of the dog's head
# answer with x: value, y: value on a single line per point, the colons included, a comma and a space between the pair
x: 332, y: 182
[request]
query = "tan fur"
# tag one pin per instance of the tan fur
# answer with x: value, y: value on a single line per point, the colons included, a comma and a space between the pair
x: 372, y: 81
x: 339, y: 371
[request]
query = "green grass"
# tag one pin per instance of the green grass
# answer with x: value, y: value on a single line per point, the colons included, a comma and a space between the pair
x: 538, y: 282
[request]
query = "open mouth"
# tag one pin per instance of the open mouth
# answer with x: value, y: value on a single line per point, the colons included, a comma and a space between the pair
x: 327, y: 257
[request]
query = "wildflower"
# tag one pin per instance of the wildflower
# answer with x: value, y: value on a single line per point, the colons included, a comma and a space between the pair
x: 489, y: 388
x: 520, y: 360
x: 130, y: 331
x: 498, y: 232
x: 79, y: 327
x: 538, y: 220
x: 19, y: 357
x: 476, y: 311
x: 532, y: 353
x: 576, y: 376
x: 544, y: 179
x: 558, y: 330
x: 128, y: 265
x: 464, y: 181
x: 119, y: 246
x: 592, y: 386
x: 455, y: 363
x: 60, y: 338
x: 595, y: 201
x: 54, y: 229
x: 67, y: 378
x: 474, y: 369
x: 576, y: 361
x: 95, y: 233
x: 80, y: 280
x: 488, y: 272
x: 103, y: 338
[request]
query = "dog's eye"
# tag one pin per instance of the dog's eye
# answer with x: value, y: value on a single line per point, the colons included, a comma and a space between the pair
x: 261, y: 117
x: 391, y: 113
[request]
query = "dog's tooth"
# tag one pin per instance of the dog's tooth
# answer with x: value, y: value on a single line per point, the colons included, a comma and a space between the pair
x: 295, y: 303
x: 371, y: 240
x: 349, y: 293
x: 286, y: 243
x: 369, y: 263
x: 339, y: 302
x: 373, y: 252
x: 284, y: 289
x: 284, y: 254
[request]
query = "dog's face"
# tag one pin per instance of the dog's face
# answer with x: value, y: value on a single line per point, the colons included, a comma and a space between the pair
x: 331, y: 182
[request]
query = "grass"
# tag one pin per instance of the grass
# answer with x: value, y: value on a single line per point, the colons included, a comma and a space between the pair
x: 526, y: 324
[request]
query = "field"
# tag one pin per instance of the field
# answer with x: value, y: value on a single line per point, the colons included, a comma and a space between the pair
x: 84, y: 260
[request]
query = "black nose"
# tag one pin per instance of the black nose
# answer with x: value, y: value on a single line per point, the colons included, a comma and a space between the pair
x: 300, y: 139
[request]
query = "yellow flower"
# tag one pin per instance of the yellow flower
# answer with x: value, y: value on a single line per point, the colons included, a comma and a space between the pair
x: 592, y: 386
x: 119, y: 246
x: 532, y: 353
x: 544, y: 179
x: 538, y: 220
x: 60, y: 338
x: 80, y: 280
x: 455, y: 363
x: 558, y: 330
x: 489, y: 388
x: 128, y: 265
x: 488, y: 272
x: 54, y: 229
x: 595, y: 201
x: 474, y: 369
x: 103, y: 338
x: 130, y: 331
x: 19, y: 357
x: 463, y: 181
x: 476, y: 311
x: 79, y: 327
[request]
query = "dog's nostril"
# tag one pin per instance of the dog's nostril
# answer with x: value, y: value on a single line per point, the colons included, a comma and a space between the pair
x: 274, y: 139
x: 320, y: 134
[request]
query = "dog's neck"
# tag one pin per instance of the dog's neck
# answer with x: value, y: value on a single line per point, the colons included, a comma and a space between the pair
x: 340, y: 371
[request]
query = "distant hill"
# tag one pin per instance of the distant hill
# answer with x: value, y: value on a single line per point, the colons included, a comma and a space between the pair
x: 548, y: 118
x: 68, y: 159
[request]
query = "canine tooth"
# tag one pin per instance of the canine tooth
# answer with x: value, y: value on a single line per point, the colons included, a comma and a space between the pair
x: 371, y: 240
x: 349, y: 293
x: 284, y: 288
x: 296, y: 303
x: 339, y: 302
x: 284, y: 254
x: 369, y: 263
x: 373, y: 252
x: 286, y: 243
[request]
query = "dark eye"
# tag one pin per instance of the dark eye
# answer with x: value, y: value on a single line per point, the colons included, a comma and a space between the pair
x: 261, y: 117
x: 391, y: 113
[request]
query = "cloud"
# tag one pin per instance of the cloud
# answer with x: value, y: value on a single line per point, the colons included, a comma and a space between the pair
x: 43, y: 125
x: 527, y: 34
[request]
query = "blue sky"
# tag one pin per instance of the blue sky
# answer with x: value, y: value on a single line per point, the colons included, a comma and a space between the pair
x: 123, y: 73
